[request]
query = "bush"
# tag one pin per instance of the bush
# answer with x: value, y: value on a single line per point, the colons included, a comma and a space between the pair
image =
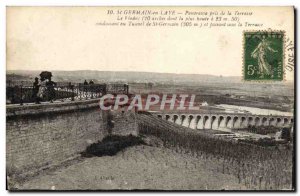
x: 111, y: 145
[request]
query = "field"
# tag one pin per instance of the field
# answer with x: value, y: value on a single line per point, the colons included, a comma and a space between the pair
x: 266, y: 96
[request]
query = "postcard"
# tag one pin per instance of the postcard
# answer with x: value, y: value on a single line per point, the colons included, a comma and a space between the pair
x: 169, y: 98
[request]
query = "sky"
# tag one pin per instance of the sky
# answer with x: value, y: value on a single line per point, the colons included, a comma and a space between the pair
x: 67, y: 38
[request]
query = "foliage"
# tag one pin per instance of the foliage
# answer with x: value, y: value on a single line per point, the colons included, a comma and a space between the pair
x: 111, y: 145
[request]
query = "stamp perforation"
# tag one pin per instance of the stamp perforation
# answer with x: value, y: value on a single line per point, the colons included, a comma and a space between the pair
x: 283, y: 55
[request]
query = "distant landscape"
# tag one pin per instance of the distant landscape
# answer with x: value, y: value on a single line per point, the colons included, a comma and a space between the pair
x: 209, y: 88
x: 128, y: 76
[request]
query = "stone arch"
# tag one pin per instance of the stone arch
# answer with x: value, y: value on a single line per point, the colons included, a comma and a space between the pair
x: 244, y: 122
x: 279, y: 122
x: 250, y: 121
x: 236, y: 123
x: 222, y: 121
x: 214, y: 123
x: 186, y: 121
x: 167, y: 117
x: 191, y: 117
x: 285, y: 122
x: 228, y: 122
x: 272, y: 122
x: 199, y: 122
x: 257, y: 121
x: 175, y: 117
x: 183, y: 117
x: 206, y: 122
x: 193, y: 122
x: 264, y: 121
x: 170, y: 118
x: 178, y: 120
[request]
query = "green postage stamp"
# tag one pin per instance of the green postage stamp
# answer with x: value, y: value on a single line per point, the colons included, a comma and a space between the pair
x: 263, y: 55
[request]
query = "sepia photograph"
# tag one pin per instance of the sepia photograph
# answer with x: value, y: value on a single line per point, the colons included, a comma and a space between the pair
x: 150, y: 98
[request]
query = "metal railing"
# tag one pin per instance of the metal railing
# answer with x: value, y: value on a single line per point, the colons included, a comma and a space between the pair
x: 19, y: 94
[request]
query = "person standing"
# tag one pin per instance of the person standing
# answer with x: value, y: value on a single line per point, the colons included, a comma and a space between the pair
x: 36, y: 88
x: 50, y: 88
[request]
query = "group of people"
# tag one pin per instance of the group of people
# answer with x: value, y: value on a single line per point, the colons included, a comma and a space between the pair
x: 86, y: 83
x: 40, y: 93
x: 44, y: 87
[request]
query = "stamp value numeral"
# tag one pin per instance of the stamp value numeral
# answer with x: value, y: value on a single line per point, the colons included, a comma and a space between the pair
x: 251, y: 70
x: 263, y: 55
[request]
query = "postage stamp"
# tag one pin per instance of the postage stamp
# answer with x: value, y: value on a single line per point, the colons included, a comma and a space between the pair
x: 263, y: 55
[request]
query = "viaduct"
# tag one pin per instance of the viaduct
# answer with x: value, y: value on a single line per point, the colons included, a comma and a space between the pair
x: 225, y: 120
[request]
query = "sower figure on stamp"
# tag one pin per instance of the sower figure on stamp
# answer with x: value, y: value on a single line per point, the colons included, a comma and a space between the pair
x: 260, y: 53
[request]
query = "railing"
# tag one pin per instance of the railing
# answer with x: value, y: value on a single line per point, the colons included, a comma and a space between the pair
x: 117, y: 88
x: 12, y: 83
x: 19, y: 94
